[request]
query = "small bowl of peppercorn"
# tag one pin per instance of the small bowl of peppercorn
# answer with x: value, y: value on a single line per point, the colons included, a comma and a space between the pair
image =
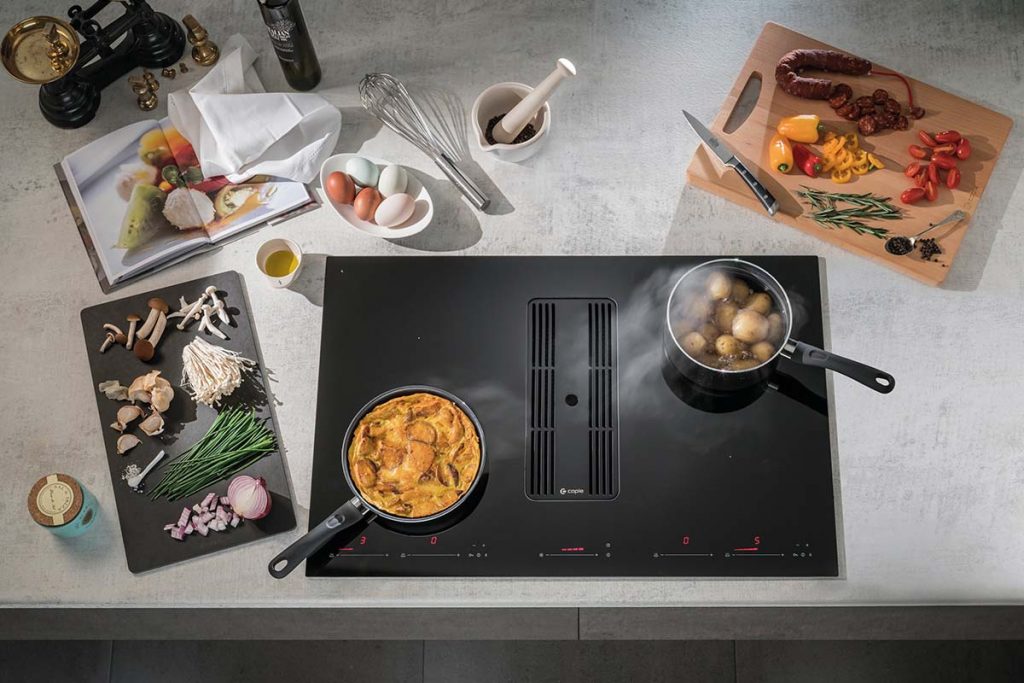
x: 494, y: 103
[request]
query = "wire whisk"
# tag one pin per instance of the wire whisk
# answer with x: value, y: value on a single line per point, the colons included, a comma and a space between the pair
x: 386, y: 98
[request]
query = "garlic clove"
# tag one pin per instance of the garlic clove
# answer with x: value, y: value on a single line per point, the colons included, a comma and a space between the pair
x: 153, y: 425
x: 126, y: 442
x: 126, y: 415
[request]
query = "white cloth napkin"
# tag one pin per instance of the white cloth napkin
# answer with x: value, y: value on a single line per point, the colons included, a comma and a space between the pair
x: 239, y: 130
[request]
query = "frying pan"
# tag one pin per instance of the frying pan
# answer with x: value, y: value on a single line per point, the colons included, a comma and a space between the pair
x: 718, y: 379
x: 357, y: 508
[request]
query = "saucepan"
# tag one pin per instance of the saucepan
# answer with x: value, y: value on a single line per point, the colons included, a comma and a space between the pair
x: 693, y: 303
x: 358, y: 508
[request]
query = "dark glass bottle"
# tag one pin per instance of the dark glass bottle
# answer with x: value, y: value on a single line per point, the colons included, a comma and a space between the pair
x: 287, y: 29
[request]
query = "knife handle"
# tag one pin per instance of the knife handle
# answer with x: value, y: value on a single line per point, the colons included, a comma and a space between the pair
x: 771, y: 205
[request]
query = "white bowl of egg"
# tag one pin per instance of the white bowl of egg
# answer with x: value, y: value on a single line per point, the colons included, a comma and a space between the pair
x: 375, y: 196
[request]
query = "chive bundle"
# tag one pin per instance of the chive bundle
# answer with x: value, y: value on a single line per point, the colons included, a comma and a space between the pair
x: 236, y: 440
x: 862, y: 206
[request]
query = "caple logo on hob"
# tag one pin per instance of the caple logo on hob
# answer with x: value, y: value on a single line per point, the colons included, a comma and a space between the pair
x: 570, y: 492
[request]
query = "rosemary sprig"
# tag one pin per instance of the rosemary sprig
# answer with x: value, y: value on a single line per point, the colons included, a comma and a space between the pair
x: 862, y: 207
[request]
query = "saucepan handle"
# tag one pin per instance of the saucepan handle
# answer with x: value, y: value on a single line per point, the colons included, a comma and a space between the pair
x: 292, y: 556
x: 805, y: 354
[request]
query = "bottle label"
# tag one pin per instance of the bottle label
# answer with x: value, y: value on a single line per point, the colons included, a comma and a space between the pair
x: 281, y: 32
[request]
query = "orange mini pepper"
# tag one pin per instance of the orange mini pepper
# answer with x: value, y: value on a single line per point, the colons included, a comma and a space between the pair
x: 780, y: 154
x: 802, y: 128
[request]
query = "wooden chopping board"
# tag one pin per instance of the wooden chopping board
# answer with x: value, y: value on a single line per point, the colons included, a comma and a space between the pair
x: 986, y: 129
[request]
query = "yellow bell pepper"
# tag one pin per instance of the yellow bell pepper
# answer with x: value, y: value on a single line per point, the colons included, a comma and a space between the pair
x: 875, y: 163
x: 780, y: 154
x: 803, y: 128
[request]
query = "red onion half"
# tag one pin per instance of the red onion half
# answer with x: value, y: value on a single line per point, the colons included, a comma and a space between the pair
x: 249, y: 497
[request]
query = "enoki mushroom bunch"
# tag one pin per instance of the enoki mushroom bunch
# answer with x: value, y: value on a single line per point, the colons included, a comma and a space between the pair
x: 209, y: 373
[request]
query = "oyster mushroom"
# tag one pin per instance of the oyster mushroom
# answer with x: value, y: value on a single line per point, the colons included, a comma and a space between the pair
x: 218, y: 305
x: 125, y: 416
x: 153, y: 425
x: 113, y: 390
x: 126, y: 442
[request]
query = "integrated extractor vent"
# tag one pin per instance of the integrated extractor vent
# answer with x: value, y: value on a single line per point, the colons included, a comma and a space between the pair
x: 572, y: 406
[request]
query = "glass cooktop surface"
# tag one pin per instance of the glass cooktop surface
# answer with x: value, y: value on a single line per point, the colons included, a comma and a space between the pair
x: 601, y: 461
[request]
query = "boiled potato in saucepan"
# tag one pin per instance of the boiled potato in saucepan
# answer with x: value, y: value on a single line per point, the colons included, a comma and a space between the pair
x: 728, y: 324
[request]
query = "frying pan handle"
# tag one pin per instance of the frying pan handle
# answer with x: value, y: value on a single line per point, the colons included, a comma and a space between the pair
x: 292, y: 556
x: 805, y: 354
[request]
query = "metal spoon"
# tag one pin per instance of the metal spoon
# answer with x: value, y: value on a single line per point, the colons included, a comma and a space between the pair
x: 899, y: 245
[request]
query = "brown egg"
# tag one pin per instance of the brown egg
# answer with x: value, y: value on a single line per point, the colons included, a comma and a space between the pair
x: 340, y: 188
x: 366, y: 203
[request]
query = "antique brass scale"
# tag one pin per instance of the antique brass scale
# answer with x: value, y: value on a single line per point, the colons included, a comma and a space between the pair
x: 46, y: 51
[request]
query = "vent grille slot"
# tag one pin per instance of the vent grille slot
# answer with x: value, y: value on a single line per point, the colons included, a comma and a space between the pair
x: 572, y: 410
x: 542, y: 400
x: 601, y: 405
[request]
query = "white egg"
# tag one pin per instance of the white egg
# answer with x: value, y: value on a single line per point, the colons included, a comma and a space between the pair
x: 395, y: 210
x: 363, y: 171
x: 393, y: 180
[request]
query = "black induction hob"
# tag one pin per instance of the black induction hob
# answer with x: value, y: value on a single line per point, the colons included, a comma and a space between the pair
x: 601, y: 463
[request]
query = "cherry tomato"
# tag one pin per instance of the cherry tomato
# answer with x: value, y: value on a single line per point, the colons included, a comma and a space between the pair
x: 943, y: 161
x: 918, y: 152
x: 947, y: 136
x: 931, y: 191
x: 963, y: 149
x: 953, y: 178
x: 912, y: 195
x: 921, y: 178
x: 912, y: 169
x: 944, y: 149
x: 933, y: 174
x: 926, y: 139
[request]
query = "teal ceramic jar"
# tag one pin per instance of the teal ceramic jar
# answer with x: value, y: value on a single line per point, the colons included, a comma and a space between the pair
x: 62, y: 505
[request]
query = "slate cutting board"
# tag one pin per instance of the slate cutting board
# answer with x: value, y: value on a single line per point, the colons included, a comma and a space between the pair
x: 141, y: 518
x: 986, y: 129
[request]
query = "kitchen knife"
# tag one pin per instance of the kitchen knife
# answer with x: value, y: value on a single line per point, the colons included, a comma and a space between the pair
x: 729, y: 159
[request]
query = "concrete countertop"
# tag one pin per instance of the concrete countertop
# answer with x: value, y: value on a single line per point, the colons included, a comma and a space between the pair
x: 932, y: 477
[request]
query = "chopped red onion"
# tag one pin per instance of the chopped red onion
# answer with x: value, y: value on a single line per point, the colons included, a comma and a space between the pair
x: 168, y: 527
x: 210, y: 498
x: 224, y: 500
x: 235, y: 519
x: 178, y: 534
x: 183, y: 519
x: 189, y: 529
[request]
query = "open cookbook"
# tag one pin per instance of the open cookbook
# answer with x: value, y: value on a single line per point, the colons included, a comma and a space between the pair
x: 141, y: 202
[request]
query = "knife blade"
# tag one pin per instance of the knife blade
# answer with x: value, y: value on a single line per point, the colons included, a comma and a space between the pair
x: 727, y: 157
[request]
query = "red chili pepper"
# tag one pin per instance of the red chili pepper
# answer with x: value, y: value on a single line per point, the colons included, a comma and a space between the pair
x: 953, y: 178
x: 912, y: 169
x: 944, y: 161
x: 918, y: 152
x: 947, y: 136
x: 933, y: 174
x: 912, y: 195
x: 926, y: 139
x: 931, y: 190
x: 806, y: 160
x: 963, y: 149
